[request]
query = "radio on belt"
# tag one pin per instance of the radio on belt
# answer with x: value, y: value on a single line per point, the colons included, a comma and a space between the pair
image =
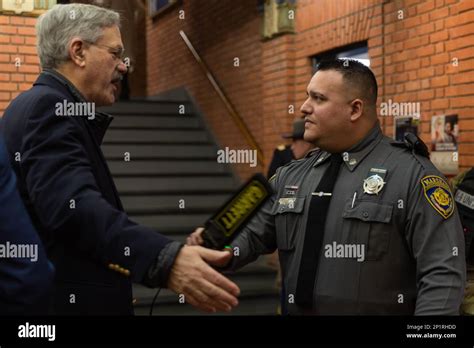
x: 226, y: 224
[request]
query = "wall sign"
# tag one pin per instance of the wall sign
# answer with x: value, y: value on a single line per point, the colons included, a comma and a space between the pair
x: 28, y: 7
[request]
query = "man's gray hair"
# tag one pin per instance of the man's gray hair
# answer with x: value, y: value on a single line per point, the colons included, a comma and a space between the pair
x: 57, y: 27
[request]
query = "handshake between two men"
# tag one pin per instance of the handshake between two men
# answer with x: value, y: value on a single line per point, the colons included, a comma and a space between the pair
x: 203, y: 287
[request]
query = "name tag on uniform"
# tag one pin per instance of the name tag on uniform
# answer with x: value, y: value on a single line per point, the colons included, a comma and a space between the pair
x: 465, y: 199
x: 288, y: 203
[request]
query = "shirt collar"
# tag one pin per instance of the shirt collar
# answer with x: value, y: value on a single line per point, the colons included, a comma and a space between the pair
x: 101, y: 121
x: 356, y: 154
x: 68, y: 84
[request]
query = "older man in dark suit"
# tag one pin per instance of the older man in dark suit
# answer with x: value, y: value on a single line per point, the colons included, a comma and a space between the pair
x: 67, y: 187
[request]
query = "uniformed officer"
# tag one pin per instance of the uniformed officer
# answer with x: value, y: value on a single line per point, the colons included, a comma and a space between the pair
x: 282, y: 155
x: 298, y: 148
x: 366, y: 226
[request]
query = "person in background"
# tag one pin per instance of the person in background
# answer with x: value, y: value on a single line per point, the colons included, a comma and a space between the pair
x: 25, y: 280
x: 281, y: 156
x: 298, y: 148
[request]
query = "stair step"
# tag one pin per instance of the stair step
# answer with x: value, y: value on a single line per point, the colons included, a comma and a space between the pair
x: 163, y: 122
x: 143, y: 204
x: 148, y: 108
x: 155, y: 136
x: 135, y: 167
x: 183, y: 185
x: 177, y: 95
x: 160, y: 151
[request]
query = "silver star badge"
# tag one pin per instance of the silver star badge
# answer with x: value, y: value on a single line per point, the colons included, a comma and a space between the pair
x: 373, y: 184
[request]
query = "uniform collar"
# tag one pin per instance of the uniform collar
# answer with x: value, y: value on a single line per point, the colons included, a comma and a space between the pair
x: 101, y: 121
x: 313, y: 152
x: 359, y: 151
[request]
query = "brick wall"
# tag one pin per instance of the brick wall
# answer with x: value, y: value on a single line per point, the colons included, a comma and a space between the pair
x: 19, y: 64
x: 416, y: 63
x: 411, y: 57
x: 220, y: 31
x: 278, y: 82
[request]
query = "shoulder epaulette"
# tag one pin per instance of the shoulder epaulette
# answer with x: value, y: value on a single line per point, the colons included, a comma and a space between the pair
x: 413, y: 143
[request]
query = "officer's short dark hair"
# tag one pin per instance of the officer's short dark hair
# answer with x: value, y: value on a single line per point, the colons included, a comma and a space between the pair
x: 356, y: 74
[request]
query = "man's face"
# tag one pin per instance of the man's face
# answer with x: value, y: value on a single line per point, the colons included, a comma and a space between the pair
x: 104, y: 68
x: 327, y: 110
x: 300, y: 148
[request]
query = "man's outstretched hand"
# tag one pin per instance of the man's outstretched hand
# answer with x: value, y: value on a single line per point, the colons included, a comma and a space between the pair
x: 202, y: 286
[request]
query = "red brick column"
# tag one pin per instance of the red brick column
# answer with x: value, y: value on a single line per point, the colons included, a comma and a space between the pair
x: 278, y: 83
x: 19, y: 64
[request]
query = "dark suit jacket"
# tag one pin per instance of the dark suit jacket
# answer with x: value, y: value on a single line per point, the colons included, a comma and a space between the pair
x: 69, y: 192
x: 24, y: 282
x: 281, y: 157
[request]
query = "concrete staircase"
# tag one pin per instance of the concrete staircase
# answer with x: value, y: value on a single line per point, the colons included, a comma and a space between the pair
x: 173, y: 161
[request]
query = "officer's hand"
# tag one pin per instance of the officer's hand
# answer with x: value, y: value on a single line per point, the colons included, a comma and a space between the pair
x: 202, y: 286
x: 195, y: 237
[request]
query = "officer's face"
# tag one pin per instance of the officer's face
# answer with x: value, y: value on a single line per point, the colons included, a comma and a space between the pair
x: 104, y: 67
x: 327, y: 111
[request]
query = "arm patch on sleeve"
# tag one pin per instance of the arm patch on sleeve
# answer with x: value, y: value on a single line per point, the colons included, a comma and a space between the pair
x: 438, y: 194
